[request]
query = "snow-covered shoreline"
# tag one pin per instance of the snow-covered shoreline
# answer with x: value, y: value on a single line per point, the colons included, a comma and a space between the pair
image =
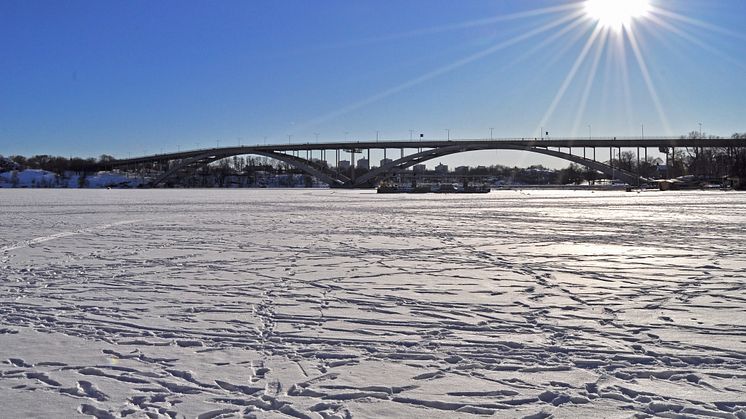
x: 37, y: 178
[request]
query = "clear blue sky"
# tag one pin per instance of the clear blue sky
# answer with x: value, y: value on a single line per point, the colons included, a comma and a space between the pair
x: 132, y: 77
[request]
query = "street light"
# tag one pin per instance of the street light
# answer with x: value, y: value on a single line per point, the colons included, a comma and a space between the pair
x: 700, y: 130
x: 448, y: 134
x: 376, y: 135
x: 317, y: 136
x: 491, y: 137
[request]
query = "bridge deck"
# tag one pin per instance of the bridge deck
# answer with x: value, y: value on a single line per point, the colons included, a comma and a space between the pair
x: 653, y: 142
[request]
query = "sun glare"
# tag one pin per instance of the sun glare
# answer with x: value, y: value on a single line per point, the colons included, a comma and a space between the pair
x: 616, y: 14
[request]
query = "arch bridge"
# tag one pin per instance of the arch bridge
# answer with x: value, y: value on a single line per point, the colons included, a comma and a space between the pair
x: 411, y: 153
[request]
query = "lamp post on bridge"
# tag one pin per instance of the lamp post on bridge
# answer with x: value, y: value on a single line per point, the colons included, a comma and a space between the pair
x: 448, y: 134
x: 491, y: 136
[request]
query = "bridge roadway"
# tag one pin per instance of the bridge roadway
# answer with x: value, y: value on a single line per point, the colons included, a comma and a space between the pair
x: 288, y: 153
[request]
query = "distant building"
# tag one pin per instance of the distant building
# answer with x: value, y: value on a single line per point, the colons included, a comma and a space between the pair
x: 461, y: 170
x: 363, y: 164
x: 480, y: 170
x: 384, y: 162
x: 419, y: 168
x: 441, y: 169
x: 344, y: 164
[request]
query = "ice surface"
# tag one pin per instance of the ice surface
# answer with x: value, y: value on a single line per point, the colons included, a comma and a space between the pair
x: 328, y: 303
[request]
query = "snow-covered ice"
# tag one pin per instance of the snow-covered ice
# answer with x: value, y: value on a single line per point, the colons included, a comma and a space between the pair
x: 329, y: 303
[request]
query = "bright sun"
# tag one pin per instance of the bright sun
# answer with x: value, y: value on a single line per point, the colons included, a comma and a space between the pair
x: 616, y: 14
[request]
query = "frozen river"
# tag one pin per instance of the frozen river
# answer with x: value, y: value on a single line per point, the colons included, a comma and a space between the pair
x: 320, y: 303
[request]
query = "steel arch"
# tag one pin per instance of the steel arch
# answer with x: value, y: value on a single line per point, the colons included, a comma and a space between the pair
x: 299, y: 163
x: 390, y: 169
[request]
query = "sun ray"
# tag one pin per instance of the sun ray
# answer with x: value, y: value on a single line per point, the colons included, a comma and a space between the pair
x: 648, y: 81
x: 573, y: 6
x: 570, y: 77
x: 608, y: 77
x: 696, y: 22
x: 549, y: 40
x: 561, y: 52
x: 522, y: 157
x: 610, y: 35
x: 442, y: 70
x: 705, y: 46
x: 589, y: 83
x: 621, y: 51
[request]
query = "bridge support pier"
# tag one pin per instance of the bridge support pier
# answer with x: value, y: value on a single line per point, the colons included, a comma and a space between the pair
x: 352, y: 165
x: 639, y: 180
x: 673, y: 156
